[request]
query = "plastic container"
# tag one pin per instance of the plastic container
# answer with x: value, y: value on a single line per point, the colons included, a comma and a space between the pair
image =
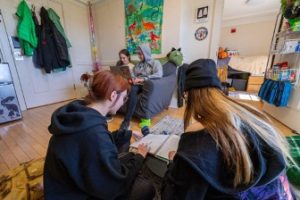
x: 295, y: 24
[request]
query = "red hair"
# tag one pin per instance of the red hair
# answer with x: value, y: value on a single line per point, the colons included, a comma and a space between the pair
x: 102, y: 83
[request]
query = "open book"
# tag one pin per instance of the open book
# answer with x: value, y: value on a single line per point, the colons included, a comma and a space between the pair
x: 160, y: 145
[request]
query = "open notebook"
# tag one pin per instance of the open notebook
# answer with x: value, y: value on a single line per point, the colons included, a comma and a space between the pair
x: 160, y: 145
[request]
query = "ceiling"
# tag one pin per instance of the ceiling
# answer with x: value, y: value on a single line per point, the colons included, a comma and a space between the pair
x: 234, y: 9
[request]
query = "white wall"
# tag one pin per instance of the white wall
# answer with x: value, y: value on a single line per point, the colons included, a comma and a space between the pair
x: 111, y: 33
x: 177, y: 30
x: 251, y: 39
x: 193, y: 49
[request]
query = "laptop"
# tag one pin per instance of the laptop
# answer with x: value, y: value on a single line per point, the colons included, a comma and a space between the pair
x: 121, y: 70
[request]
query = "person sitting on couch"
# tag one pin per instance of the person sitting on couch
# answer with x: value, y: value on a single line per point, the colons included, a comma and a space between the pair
x: 124, y: 60
x: 147, y: 68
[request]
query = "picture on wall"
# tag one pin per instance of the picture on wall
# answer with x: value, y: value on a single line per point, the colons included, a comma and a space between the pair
x: 202, y: 14
x: 143, y: 22
x: 201, y: 33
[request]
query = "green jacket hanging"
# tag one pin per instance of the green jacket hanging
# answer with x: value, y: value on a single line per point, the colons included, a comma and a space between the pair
x: 26, y: 29
x: 56, y: 20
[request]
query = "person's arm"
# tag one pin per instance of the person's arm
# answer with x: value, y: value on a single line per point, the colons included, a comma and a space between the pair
x: 102, y: 174
x: 177, y: 181
x: 157, y: 70
x: 121, y: 137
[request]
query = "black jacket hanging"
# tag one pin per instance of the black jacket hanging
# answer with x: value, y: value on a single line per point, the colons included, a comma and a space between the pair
x: 52, y: 48
x: 180, y: 82
x: 36, y: 52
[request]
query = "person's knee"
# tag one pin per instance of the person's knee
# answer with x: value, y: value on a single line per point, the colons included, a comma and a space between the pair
x: 149, y: 190
x: 143, y: 189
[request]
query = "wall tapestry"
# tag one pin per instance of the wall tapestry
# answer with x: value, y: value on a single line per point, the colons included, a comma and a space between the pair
x: 143, y: 24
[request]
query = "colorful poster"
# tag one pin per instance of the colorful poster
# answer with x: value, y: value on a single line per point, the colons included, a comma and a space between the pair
x: 143, y: 24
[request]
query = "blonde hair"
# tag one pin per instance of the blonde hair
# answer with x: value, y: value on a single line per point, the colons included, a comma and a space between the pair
x: 224, y: 119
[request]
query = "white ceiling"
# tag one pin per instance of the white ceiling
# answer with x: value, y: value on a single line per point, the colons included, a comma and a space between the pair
x: 234, y: 9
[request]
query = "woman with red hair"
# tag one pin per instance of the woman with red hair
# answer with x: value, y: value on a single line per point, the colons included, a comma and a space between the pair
x: 83, y: 161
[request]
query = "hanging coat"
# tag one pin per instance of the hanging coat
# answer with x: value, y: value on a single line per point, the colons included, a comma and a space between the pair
x: 56, y: 20
x: 180, y: 83
x: 26, y: 29
x: 52, y: 48
x: 35, y: 55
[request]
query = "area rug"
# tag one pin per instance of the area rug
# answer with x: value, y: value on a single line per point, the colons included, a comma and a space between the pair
x: 168, y: 125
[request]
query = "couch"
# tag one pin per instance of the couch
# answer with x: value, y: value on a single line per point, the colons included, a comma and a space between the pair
x: 156, y: 94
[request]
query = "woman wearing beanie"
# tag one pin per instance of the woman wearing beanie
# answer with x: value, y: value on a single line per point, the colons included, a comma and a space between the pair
x: 231, y: 151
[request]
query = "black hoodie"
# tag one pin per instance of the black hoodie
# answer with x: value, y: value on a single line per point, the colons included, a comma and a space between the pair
x: 199, y: 170
x: 82, y: 159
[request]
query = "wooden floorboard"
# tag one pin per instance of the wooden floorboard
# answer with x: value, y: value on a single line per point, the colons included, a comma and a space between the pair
x: 27, y: 139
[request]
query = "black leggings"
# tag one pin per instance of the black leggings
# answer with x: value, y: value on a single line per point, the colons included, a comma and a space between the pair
x: 142, y: 188
x: 133, y: 98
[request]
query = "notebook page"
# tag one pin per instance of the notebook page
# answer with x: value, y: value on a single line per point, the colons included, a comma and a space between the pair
x: 153, y: 141
x: 170, y: 145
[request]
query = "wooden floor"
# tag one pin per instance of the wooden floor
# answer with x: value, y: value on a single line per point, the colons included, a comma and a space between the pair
x: 28, y: 138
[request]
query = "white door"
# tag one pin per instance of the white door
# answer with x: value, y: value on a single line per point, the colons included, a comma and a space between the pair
x: 76, y: 18
x: 40, y: 88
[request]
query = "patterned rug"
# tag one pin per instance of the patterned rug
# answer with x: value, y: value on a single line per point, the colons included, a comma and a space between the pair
x: 168, y: 125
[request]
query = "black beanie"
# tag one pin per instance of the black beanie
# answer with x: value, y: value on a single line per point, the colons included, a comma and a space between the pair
x: 200, y: 74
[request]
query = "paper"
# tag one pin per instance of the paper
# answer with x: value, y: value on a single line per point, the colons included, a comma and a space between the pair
x: 170, y: 145
x: 160, y: 145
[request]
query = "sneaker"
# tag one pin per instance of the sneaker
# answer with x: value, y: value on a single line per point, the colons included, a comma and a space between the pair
x: 124, y: 125
x: 145, y: 122
x: 145, y: 130
x: 109, y: 118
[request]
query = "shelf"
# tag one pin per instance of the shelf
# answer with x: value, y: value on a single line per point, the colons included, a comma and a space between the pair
x: 291, y: 75
x: 279, y: 53
x: 288, y: 32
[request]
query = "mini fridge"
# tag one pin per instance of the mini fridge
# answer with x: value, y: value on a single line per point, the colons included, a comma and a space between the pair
x: 9, y: 105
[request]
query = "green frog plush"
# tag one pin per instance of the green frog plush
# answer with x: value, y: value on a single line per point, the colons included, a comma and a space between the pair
x: 175, y: 56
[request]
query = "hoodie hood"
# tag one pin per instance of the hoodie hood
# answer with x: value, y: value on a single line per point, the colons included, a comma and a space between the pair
x: 145, y: 48
x: 75, y: 117
x: 199, y: 150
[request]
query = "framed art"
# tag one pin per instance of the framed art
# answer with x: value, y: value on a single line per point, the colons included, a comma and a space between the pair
x: 202, y: 14
x: 201, y: 33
